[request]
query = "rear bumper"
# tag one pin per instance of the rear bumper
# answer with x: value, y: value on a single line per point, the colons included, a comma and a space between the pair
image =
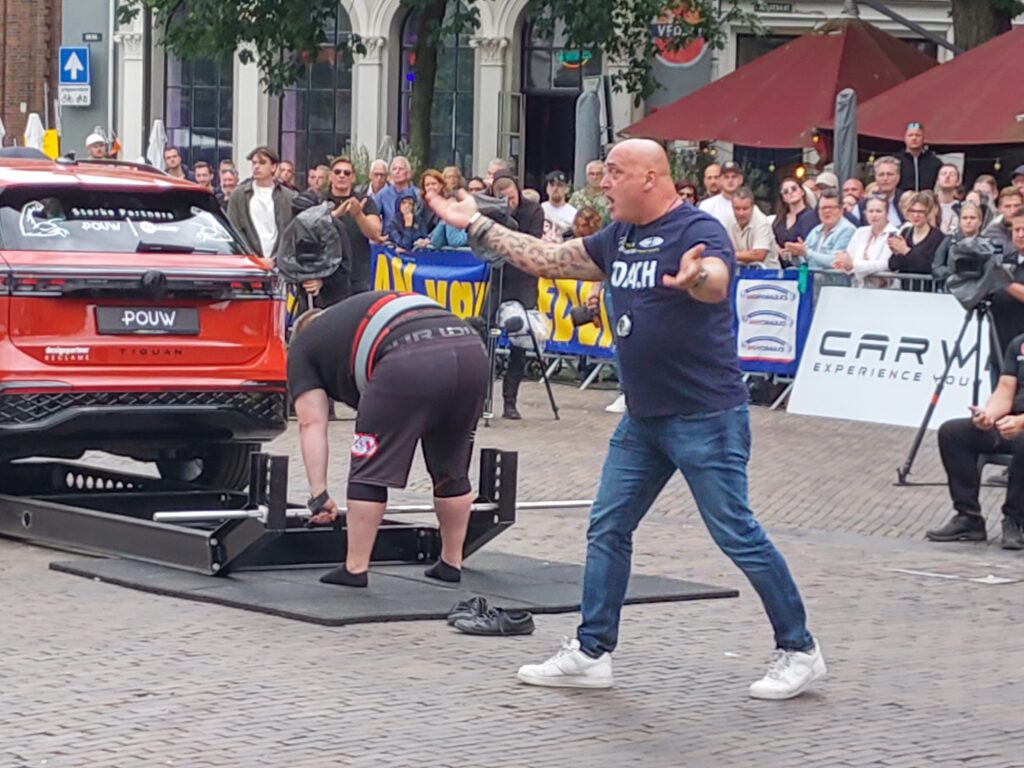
x: 137, y: 421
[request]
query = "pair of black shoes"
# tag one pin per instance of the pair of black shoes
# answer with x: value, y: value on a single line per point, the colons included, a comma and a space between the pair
x: 474, y: 617
x: 972, y: 528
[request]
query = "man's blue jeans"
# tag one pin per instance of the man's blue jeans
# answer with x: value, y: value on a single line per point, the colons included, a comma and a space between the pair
x: 711, y: 450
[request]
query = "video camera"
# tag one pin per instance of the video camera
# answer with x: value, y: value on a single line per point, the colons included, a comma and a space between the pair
x: 976, y: 271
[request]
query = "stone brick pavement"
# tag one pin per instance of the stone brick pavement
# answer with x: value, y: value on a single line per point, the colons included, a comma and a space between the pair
x: 924, y: 671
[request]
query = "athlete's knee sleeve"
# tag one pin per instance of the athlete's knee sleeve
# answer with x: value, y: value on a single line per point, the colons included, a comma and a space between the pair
x: 366, y: 492
x: 447, y: 488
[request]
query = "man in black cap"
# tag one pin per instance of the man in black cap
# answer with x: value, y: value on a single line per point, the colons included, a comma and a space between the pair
x: 372, y: 352
x: 557, y: 208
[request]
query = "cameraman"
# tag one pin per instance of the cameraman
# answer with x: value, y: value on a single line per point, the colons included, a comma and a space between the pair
x: 996, y: 428
x: 1008, y: 304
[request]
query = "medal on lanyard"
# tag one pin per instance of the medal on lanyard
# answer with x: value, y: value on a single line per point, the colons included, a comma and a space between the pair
x: 625, y: 325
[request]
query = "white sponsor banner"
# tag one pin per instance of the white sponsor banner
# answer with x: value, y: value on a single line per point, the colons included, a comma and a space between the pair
x: 877, y: 355
x: 767, y: 310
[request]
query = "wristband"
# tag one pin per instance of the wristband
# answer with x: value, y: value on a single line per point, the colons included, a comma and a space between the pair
x: 317, y: 503
x: 701, y: 277
x: 473, y: 219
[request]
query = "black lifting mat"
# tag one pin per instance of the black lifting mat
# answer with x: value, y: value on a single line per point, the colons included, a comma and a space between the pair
x: 396, y: 592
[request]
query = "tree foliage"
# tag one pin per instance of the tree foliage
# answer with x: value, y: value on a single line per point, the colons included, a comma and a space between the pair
x: 976, y: 21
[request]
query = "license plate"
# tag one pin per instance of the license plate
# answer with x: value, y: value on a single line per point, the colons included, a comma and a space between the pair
x: 177, y: 321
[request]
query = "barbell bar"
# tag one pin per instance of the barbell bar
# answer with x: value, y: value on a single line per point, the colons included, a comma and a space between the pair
x: 260, y: 513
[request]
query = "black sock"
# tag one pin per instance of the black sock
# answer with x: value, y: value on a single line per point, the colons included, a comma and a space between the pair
x: 340, y: 575
x: 444, y: 572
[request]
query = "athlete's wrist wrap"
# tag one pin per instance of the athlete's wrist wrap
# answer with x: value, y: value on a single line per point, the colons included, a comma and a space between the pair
x: 316, y: 503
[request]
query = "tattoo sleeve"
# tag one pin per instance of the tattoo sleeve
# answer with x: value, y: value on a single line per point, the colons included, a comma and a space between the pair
x: 539, y: 258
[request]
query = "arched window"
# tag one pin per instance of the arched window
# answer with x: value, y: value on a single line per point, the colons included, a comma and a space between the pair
x: 551, y: 67
x: 316, y: 112
x: 198, y: 97
x: 451, y: 124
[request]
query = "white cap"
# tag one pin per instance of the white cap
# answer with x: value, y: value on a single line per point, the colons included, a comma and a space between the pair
x: 94, y: 138
x: 827, y: 179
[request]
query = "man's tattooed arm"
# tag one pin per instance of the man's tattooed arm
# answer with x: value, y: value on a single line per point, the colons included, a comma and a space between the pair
x: 535, y: 256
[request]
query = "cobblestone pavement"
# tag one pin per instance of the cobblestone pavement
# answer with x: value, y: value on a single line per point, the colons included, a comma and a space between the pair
x: 924, y: 671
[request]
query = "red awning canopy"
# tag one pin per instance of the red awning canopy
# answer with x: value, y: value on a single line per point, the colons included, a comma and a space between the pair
x: 778, y: 99
x: 977, y: 98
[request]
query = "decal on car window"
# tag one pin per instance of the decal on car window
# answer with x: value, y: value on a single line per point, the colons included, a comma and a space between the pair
x: 34, y: 225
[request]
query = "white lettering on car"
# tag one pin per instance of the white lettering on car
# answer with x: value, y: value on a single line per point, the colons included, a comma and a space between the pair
x: 152, y: 318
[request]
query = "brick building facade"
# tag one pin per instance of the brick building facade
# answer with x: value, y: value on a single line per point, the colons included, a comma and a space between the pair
x: 29, y: 38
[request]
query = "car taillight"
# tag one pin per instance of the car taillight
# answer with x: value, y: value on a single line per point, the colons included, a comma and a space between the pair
x: 5, y: 283
x: 262, y: 288
x: 36, y: 286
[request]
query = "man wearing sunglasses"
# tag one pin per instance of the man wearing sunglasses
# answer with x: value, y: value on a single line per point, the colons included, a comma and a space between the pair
x: 919, y: 167
x: 358, y: 216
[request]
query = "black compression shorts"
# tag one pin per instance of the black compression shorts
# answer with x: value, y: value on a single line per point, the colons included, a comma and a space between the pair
x: 429, y: 387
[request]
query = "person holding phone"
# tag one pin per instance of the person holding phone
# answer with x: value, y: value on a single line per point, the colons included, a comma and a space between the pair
x: 996, y: 427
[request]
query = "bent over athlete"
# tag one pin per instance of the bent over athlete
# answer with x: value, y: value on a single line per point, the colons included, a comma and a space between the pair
x: 414, y: 372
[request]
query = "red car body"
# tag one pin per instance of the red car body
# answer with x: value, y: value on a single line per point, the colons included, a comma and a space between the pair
x: 133, y: 320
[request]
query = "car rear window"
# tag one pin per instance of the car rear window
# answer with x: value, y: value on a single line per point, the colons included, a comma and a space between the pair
x: 75, y: 219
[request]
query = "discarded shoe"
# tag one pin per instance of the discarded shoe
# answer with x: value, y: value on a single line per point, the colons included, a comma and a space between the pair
x: 467, y: 609
x: 497, y: 621
x: 1013, y: 533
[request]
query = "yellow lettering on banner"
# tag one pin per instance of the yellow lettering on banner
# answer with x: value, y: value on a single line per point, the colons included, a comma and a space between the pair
x: 438, y: 291
x: 382, y: 275
x: 460, y: 295
x: 556, y: 297
x: 480, y: 289
x: 402, y: 273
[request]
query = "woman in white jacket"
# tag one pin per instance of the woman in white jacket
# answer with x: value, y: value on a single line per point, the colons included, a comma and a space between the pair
x: 868, y: 251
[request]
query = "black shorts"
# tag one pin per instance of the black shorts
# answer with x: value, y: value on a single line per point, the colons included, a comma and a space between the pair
x: 431, y: 390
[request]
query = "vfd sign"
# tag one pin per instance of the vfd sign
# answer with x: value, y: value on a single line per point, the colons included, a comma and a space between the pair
x: 877, y: 355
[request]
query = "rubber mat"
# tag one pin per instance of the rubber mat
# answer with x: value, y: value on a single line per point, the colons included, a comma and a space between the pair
x: 396, y: 592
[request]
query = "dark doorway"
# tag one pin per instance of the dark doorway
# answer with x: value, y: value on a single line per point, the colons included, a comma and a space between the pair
x: 552, y: 79
x: 551, y: 137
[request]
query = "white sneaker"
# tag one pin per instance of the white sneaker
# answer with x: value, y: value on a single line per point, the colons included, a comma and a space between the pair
x: 790, y: 673
x: 570, y: 668
x: 619, y: 406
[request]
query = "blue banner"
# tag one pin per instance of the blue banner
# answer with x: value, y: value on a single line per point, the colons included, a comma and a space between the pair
x: 772, y: 312
x: 456, y: 280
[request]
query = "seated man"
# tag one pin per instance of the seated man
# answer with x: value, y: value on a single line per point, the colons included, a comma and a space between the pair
x: 371, y: 352
x: 996, y: 428
x: 751, y: 233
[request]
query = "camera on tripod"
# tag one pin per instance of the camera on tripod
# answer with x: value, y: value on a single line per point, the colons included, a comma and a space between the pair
x: 976, y: 271
x: 584, y: 314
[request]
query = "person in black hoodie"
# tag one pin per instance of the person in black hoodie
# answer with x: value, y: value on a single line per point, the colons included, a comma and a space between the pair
x: 516, y: 284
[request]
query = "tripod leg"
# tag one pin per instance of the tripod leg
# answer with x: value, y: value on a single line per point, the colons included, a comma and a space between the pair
x: 904, y: 470
x: 979, y: 316
x: 544, y: 374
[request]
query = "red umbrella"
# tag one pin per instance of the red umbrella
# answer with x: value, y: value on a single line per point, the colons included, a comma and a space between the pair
x: 977, y: 98
x: 778, y: 99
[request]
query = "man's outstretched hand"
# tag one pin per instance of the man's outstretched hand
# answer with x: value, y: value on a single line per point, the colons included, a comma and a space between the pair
x: 689, y: 270
x: 454, y: 211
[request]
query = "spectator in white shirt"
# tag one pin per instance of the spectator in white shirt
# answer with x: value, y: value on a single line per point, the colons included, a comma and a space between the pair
x: 868, y: 251
x: 720, y: 205
x: 751, y: 233
x: 557, y: 208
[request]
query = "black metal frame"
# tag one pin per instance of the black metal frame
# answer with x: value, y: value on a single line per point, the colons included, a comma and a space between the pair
x: 74, y: 507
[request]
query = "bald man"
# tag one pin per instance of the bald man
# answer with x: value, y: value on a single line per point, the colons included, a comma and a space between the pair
x: 668, y: 268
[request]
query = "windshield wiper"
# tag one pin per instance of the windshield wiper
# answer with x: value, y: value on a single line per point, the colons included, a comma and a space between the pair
x: 144, y: 247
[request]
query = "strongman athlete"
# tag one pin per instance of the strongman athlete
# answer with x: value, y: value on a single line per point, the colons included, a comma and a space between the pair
x: 414, y: 372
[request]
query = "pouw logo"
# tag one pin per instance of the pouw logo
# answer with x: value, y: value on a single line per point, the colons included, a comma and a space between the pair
x: 364, y: 445
x: 770, y: 344
x: 768, y: 292
x: 768, y: 317
x: 651, y: 242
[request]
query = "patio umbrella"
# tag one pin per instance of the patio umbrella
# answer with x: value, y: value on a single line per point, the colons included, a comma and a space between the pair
x: 588, y: 135
x: 845, y: 151
x: 157, y: 142
x: 34, y: 132
x: 3, y: 132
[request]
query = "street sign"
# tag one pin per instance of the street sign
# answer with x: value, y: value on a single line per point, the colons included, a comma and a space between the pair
x: 75, y: 95
x: 92, y: 37
x: 74, y: 65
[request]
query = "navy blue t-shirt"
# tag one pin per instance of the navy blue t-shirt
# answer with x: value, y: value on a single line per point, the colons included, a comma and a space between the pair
x: 680, y: 355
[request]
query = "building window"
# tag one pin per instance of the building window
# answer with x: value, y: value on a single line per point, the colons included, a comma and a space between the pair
x: 316, y: 112
x: 451, y: 118
x: 551, y: 67
x: 197, y: 108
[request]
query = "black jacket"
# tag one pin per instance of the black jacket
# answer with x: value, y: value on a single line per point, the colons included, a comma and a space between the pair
x: 518, y: 285
x: 919, y: 173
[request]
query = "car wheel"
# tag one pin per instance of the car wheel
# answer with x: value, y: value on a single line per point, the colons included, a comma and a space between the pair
x: 225, y: 467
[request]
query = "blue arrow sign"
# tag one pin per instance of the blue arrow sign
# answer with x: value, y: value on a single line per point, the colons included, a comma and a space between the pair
x: 74, y: 65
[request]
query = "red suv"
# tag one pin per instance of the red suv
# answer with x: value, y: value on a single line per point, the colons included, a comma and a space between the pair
x: 133, y: 320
